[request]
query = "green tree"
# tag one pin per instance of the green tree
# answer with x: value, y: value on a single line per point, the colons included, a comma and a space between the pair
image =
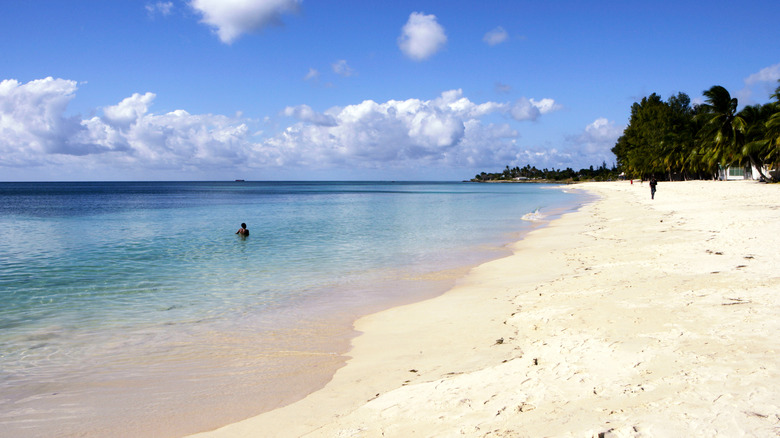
x: 659, y: 137
x: 772, y: 135
x: 757, y: 146
x: 678, y: 137
x: 637, y: 149
x: 722, y: 135
x: 686, y: 141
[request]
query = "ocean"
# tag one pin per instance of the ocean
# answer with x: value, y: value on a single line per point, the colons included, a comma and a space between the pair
x: 133, y: 308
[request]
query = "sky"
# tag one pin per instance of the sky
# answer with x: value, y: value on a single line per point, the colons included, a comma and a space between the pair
x: 95, y: 90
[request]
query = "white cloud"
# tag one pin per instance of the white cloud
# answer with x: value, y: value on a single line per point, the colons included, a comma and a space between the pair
x: 768, y: 74
x: 594, y: 145
x: 421, y: 37
x: 128, y: 140
x: 495, y: 36
x: 34, y: 131
x: 31, y: 117
x: 530, y: 109
x: 304, y: 113
x: 341, y: 68
x: 591, y: 147
x: 545, y: 105
x: 162, y: 8
x: 445, y: 131
x: 602, y: 130
x: 762, y: 83
x: 129, y: 110
x: 233, y: 18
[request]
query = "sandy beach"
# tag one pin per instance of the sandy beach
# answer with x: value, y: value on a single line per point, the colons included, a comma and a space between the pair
x: 629, y: 317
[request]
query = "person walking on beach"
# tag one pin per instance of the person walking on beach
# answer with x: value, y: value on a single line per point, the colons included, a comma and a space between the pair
x: 243, y: 231
x: 653, y: 183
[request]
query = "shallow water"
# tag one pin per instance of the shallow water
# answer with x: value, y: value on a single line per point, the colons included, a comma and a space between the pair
x: 128, y: 304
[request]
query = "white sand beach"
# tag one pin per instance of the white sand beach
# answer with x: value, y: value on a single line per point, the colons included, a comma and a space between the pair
x: 630, y: 317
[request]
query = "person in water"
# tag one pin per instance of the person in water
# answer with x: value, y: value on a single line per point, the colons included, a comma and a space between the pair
x: 243, y: 230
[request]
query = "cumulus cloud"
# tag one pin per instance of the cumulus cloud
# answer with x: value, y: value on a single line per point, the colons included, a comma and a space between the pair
x: 34, y: 130
x: 601, y: 131
x: 176, y: 139
x: 447, y: 130
x: 31, y: 116
x: 125, y: 138
x: 590, y: 147
x: 530, y: 109
x: 233, y: 18
x: 128, y: 110
x: 762, y: 83
x: 595, y: 143
x: 545, y: 105
x: 421, y: 37
x: 495, y: 36
x: 768, y: 74
x: 304, y: 113
x: 371, y: 132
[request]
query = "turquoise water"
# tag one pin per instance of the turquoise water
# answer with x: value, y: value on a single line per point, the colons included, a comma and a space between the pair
x: 126, y: 276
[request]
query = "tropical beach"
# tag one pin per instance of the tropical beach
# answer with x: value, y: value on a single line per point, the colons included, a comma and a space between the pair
x: 629, y: 317
x: 447, y: 225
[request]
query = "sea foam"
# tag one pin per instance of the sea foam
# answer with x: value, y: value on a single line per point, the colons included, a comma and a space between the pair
x: 533, y: 216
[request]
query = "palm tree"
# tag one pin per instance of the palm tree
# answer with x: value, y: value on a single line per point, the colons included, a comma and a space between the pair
x: 673, y: 156
x: 757, y: 146
x: 772, y: 133
x: 722, y: 135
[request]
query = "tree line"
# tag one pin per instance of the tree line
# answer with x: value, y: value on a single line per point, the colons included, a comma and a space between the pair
x: 531, y: 173
x: 674, y: 140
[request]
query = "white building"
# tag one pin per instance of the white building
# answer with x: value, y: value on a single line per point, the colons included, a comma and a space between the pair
x: 737, y: 172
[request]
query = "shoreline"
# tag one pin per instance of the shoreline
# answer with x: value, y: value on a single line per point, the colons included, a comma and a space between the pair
x: 186, y: 378
x: 426, y: 285
x: 628, y: 317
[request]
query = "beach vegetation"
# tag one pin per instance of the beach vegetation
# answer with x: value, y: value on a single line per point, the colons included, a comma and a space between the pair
x: 659, y: 137
x: 772, y: 134
x: 676, y: 140
x: 722, y: 134
x: 530, y: 173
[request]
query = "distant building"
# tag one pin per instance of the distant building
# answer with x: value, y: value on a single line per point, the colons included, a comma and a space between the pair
x: 738, y: 172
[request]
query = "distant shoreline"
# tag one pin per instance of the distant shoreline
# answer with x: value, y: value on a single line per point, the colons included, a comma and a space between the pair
x: 526, y: 181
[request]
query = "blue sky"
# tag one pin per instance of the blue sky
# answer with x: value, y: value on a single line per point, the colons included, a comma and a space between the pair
x: 345, y: 90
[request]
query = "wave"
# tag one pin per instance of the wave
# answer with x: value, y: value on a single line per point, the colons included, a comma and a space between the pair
x: 534, y: 216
